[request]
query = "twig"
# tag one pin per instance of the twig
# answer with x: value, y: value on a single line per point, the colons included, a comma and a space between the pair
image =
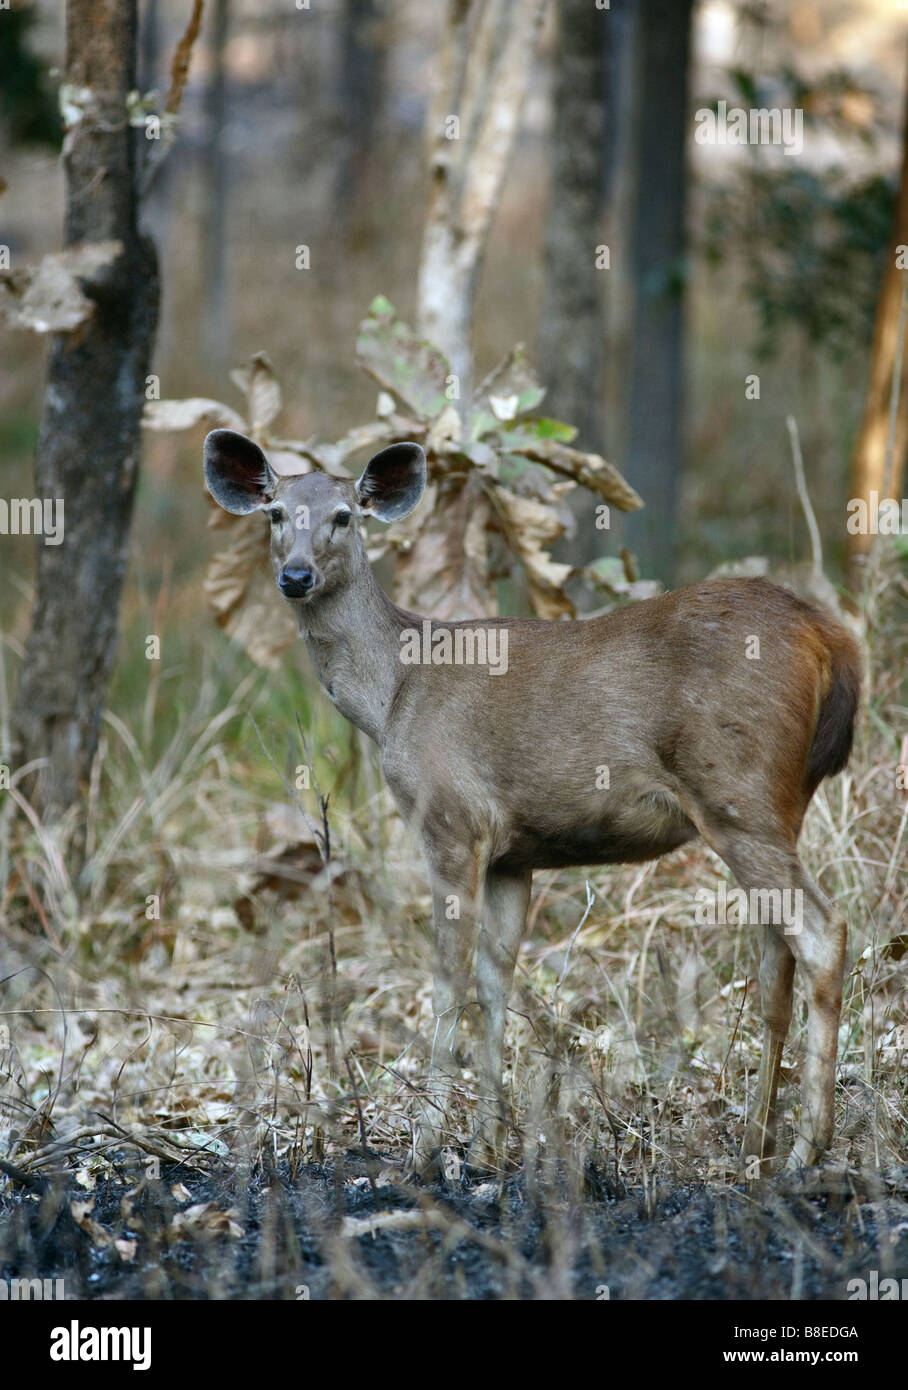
x: 23, y: 1178
x: 895, y: 389
x: 590, y: 899
x: 179, y: 68
x: 179, y: 75
x: 816, y: 545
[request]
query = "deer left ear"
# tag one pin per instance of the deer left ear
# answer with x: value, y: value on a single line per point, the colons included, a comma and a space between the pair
x: 238, y: 476
x: 392, y: 482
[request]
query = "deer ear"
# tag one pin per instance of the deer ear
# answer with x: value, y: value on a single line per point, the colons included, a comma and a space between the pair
x: 392, y: 482
x: 237, y: 474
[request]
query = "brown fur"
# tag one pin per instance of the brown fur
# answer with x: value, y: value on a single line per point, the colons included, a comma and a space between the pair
x: 497, y: 774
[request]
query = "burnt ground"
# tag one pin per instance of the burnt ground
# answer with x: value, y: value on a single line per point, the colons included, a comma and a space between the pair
x: 325, y: 1233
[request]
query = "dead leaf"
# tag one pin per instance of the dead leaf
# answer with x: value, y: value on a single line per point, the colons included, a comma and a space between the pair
x: 240, y: 587
x: 195, y: 410
x: 590, y: 470
x: 504, y: 407
x: 531, y: 528
x: 48, y: 298
x: 81, y: 1215
x: 445, y: 429
x: 262, y: 390
x: 446, y: 571
x: 204, y: 1219
x: 353, y: 1226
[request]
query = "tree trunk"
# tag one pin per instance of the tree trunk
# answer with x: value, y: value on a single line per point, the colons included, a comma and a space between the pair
x: 360, y: 90
x: 571, y: 332
x: 88, y: 446
x: 217, y: 307
x: 653, y: 457
x: 869, y: 456
x: 570, y: 335
x: 149, y: 45
x: 473, y: 122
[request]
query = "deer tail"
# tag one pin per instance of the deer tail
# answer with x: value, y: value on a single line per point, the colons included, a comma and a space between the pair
x: 833, y: 736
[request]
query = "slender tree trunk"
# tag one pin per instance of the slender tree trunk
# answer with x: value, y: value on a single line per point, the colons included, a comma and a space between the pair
x: 360, y: 89
x: 473, y: 122
x: 88, y: 446
x: 570, y: 335
x: 217, y: 304
x: 654, y: 444
x: 868, y: 458
x: 150, y: 45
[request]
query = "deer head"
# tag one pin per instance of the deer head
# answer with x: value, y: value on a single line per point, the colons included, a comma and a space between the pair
x: 316, y: 545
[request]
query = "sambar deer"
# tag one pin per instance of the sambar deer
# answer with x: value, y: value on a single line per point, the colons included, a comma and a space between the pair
x: 498, y: 767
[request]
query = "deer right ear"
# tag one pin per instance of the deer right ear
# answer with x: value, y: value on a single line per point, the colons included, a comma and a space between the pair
x: 392, y: 482
x: 237, y: 474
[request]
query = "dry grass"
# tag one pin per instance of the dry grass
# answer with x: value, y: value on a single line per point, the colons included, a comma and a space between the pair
x: 280, y: 1004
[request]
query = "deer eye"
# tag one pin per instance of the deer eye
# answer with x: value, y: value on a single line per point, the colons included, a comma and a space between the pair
x: 277, y: 515
x: 342, y: 518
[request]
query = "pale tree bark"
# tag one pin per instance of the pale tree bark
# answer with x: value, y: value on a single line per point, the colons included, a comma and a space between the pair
x: 484, y: 69
x: 871, y: 446
x: 653, y: 456
x: 88, y: 446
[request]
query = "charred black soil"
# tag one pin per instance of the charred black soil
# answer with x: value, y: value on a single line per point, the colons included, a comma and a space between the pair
x: 333, y: 1232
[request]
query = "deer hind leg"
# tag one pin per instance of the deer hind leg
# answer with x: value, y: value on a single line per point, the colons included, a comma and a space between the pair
x: 816, y: 939
x: 776, y: 978
x: 820, y: 952
x: 506, y: 898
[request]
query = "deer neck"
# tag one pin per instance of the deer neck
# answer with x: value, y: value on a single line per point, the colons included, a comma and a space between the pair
x: 353, y: 638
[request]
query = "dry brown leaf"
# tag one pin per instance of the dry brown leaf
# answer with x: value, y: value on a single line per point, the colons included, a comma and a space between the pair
x: 81, y: 1215
x: 239, y: 586
x: 195, y: 410
x: 262, y: 391
x: 418, y: 1220
x: 531, y: 528
x: 48, y: 298
x: 445, y: 574
x: 206, y: 1219
x: 590, y: 470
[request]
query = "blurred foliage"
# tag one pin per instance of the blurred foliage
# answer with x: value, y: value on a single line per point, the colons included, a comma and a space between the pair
x: 811, y: 242
x: 27, y: 106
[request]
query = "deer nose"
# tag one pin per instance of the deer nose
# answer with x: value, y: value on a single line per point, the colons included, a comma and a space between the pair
x: 295, y: 583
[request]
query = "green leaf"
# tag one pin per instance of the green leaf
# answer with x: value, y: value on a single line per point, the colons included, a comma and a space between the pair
x: 545, y: 428
x: 403, y: 363
x: 529, y: 399
x: 610, y: 569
